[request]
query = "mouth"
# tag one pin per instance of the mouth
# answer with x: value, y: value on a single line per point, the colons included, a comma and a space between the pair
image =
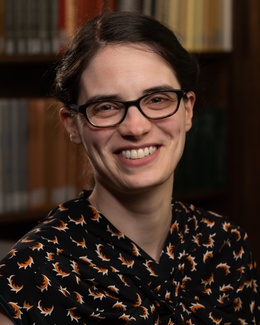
x: 138, y: 153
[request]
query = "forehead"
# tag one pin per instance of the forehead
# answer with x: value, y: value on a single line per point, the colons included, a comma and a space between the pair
x: 111, y: 53
x: 125, y: 67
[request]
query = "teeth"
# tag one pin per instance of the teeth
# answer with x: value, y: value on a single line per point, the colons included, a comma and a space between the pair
x: 139, y: 153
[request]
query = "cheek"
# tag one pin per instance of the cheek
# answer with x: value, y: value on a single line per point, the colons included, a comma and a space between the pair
x: 95, y: 141
x: 175, y: 126
x: 87, y: 135
x: 90, y: 142
x: 176, y: 132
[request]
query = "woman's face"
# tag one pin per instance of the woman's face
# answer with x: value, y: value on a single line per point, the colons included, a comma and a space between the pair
x: 127, y: 72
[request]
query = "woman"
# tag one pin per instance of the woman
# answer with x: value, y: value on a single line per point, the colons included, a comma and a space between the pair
x: 125, y: 253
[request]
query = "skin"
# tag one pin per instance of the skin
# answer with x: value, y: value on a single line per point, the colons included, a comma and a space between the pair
x: 140, y: 190
x: 4, y: 320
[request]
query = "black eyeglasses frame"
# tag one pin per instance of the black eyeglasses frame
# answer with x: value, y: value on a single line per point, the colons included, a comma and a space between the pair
x: 82, y: 109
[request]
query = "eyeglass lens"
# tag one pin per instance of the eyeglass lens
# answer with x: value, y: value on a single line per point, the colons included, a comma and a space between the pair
x: 154, y: 106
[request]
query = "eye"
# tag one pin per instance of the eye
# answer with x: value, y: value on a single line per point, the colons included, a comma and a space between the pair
x: 160, y: 100
x: 103, y: 108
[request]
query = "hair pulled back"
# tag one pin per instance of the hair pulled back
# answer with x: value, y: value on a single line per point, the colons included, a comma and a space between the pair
x: 120, y: 28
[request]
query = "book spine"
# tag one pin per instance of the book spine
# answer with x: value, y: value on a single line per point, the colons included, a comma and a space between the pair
x: 54, y: 26
x: 22, y: 149
x: 128, y: 5
x: 43, y: 8
x: 227, y: 25
x: 9, y: 27
x: 2, y: 26
x: 1, y: 156
x: 20, y: 27
x: 6, y: 152
x: 33, y: 27
x: 70, y: 17
x: 37, y: 160
x: 61, y: 25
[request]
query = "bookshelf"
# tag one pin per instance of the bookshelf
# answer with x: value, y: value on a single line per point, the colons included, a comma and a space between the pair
x: 25, y: 74
x: 229, y: 83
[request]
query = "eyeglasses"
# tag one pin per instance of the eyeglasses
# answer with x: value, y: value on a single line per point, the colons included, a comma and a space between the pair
x: 108, y: 113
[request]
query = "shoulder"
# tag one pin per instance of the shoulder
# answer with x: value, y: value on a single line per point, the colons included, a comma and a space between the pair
x: 74, y: 207
x: 217, y: 250
x: 213, y: 233
x: 42, y: 255
x: 49, y: 238
x: 204, y: 219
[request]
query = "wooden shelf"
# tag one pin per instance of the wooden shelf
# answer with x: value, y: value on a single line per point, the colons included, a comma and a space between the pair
x: 24, y: 216
x: 26, y: 76
x: 28, y: 59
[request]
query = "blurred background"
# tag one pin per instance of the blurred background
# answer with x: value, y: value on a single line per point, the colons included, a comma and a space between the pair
x: 39, y: 167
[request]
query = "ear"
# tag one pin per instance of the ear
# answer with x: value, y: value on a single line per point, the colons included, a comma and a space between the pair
x: 68, y: 121
x: 189, y: 105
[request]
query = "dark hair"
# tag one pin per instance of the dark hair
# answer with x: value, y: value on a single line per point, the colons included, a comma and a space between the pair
x: 120, y: 28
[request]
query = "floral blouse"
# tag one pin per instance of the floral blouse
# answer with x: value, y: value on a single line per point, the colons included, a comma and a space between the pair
x: 76, y: 267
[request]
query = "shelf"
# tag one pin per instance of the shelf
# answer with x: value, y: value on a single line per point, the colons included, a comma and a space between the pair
x: 28, y: 59
x: 26, y: 76
x: 14, y: 230
x: 28, y: 216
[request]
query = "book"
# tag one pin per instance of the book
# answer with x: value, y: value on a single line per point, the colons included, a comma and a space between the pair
x: 110, y: 5
x: 182, y: 21
x: 45, y: 25
x: 191, y: 22
x: 197, y: 29
x: 61, y: 25
x: 148, y: 7
x: 22, y: 153
x: 14, y: 195
x: 86, y: 10
x: 2, y: 25
x: 33, y: 27
x: 9, y: 27
x: 227, y: 25
x: 70, y: 17
x: 1, y: 157
x: 20, y: 27
x: 160, y: 11
x: 129, y: 5
x: 36, y: 151
x: 54, y: 27
x: 6, y: 126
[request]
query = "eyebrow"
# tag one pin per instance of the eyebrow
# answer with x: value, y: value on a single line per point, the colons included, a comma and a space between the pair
x: 112, y: 97
x: 158, y: 88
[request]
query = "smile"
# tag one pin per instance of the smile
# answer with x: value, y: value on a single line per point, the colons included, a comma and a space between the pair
x: 138, y: 153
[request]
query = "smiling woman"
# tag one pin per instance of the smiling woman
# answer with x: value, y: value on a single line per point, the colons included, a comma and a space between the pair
x: 125, y: 72
x: 126, y: 252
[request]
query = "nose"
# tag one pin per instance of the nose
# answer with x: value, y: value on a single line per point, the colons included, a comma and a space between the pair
x: 135, y: 124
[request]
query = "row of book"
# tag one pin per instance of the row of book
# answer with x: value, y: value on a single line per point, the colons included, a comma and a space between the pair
x: 201, y: 25
x: 39, y: 167
x: 29, y: 27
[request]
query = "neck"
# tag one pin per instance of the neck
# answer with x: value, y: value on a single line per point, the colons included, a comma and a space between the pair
x: 143, y: 217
